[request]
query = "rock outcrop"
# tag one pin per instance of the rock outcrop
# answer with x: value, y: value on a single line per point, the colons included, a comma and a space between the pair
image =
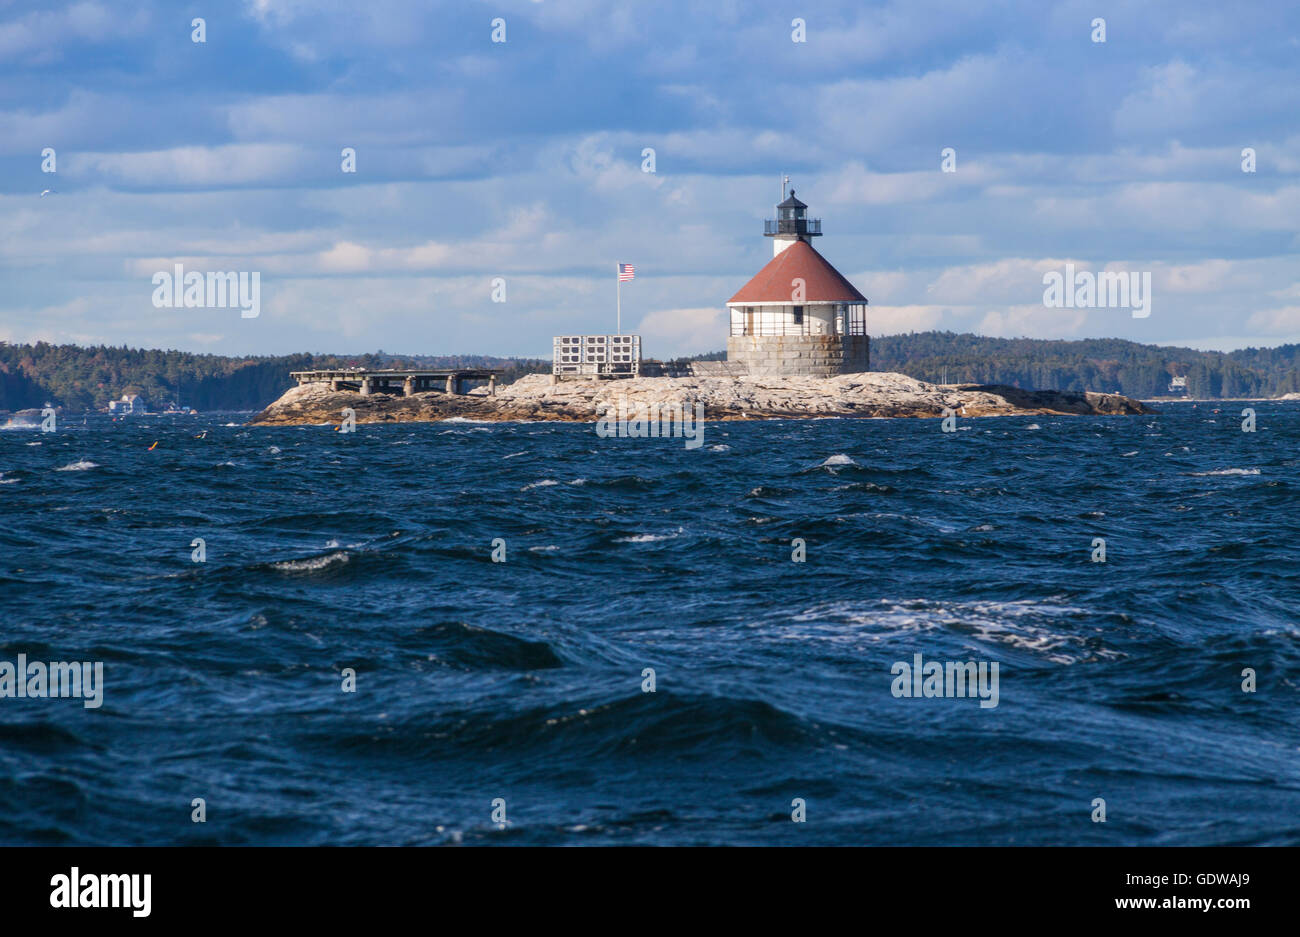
x: 870, y: 394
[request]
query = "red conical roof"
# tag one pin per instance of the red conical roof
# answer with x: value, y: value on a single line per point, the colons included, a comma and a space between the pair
x: 822, y: 283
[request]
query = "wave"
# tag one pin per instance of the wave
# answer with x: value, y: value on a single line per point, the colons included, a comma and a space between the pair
x: 544, y: 483
x: 648, y: 538
x: 866, y: 486
x: 625, y: 483
x: 768, y: 491
x: 312, y: 564
x: 1230, y: 471
x: 473, y: 647
x: 81, y: 465
x: 1042, y: 628
x: 650, y: 725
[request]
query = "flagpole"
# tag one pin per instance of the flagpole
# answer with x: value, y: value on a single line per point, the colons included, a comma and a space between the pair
x: 618, y: 280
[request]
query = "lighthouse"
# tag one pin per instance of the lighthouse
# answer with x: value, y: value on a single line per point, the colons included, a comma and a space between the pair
x: 798, y: 316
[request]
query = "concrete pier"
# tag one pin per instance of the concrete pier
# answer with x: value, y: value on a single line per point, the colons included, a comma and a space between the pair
x: 398, y: 381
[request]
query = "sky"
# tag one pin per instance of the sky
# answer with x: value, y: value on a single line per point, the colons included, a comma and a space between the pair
x: 516, y: 170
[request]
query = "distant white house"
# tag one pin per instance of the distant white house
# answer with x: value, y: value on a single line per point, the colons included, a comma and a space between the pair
x: 130, y: 403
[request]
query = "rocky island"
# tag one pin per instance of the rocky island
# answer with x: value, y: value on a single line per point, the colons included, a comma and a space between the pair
x: 538, y: 397
x: 797, y: 348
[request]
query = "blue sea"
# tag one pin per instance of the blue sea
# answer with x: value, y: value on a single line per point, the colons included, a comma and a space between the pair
x: 510, y: 702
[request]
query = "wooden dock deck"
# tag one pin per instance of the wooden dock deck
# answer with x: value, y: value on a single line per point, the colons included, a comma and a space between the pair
x: 410, y: 380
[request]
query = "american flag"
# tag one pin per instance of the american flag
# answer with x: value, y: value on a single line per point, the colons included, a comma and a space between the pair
x: 626, y: 272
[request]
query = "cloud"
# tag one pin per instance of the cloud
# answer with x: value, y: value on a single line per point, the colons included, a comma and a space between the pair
x: 523, y: 161
x: 255, y: 164
x: 1284, y: 320
x: 894, y: 320
x: 43, y: 36
x: 1038, y: 321
x: 673, y: 332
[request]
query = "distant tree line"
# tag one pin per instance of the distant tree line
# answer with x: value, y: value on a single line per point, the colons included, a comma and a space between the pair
x: 87, y: 378
x: 1100, y: 364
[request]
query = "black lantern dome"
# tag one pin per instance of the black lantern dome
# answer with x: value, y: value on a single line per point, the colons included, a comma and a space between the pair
x: 792, y: 221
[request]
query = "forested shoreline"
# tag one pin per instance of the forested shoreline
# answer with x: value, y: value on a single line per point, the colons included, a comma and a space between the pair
x: 1098, y: 364
x: 80, y: 378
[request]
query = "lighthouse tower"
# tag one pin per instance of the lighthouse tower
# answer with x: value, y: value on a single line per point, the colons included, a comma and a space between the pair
x: 798, y: 315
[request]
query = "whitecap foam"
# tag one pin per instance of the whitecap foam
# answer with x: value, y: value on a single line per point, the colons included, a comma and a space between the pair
x: 647, y: 538
x: 839, y: 459
x: 311, y: 563
x: 1041, y: 627
x: 81, y: 465
x: 544, y: 483
x: 1229, y: 471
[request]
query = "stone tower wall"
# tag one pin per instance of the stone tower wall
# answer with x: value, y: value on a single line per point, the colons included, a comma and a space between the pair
x: 799, y: 355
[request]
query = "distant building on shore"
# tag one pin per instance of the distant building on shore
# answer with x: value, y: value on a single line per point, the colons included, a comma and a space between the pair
x: 130, y: 403
x: 798, y: 315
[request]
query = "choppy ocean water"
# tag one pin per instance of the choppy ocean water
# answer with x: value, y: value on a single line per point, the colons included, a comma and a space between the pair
x: 522, y: 679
